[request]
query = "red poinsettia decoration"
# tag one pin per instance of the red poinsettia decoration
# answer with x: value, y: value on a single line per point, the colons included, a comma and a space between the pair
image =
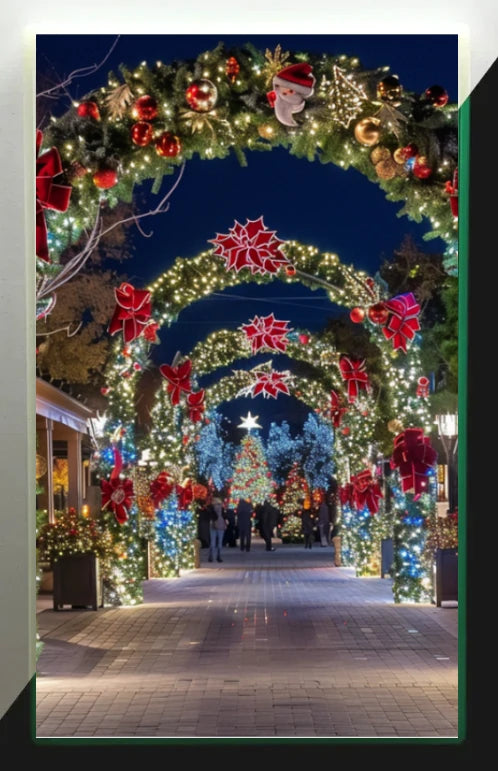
x: 49, y: 195
x: 117, y: 494
x: 414, y: 456
x: 150, y: 332
x: 354, y: 373
x: 366, y: 491
x: 178, y: 379
x: 132, y: 312
x: 270, y: 384
x: 161, y: 488
x: 267, y: 332
x: 196, y: 406
x: 336, y: 410
x: 250, y: 246
x: 402, y: 322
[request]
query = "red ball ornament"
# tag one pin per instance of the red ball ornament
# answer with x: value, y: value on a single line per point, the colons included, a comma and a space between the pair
x: 141, y: 133
x: 184, y: 439
x: 126, y: 351
x: 168, y: 145
x: 436, y: 95
x: 304, y: 339
x: 145, y: 108
x: 357, y: 315
x: 409, y: 151
x: 232, y: 68
x: 105, y: 178
x: 268, y: 475
x: 104, y: 390
x: 88, y: 110
x: 201, y: 95
x: 290, y: 270
x: 346, y: 430
x: 378, y: 313
x: 420, y: 169
x: 136, y: 366
x: 365, y: 413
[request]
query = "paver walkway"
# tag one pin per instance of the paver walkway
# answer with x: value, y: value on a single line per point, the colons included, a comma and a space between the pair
x: 265, y: 644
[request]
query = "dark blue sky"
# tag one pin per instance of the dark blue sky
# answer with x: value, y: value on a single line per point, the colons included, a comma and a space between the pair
x: 336, y: 210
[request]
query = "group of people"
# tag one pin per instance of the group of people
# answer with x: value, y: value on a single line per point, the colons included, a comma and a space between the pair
x: 221, y: 525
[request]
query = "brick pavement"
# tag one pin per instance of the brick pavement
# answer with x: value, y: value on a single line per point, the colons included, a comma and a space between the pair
x: 278, y: 644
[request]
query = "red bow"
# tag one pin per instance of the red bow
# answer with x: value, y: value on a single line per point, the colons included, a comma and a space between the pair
x: 346, y: 495
x: 423, y: 386
x: 185, y: 495
x: 161, y: 488
x: 48, y: 194
x: 336, y: 411
x: 366, y: 492
x: 178, y: 379
x: 196, y: 405
x: 353, y: 371
x: 132, y: 312
x: 403, y: 322
x: 150, y: 332
x: 452, y: 189
x: 118, y: 493
x: 414, y: 456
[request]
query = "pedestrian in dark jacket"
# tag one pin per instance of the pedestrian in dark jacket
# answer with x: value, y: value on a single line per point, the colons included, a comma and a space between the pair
x: 244, y: 523
x: 269, y: 519
x: 308, y: 522
x: 218, y: 526
x: 229, y: 539
x: 203, y: 520
x: 324, y: 522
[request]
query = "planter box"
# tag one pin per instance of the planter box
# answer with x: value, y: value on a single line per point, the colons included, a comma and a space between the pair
x: 78, y: 582
x: 446, y: 575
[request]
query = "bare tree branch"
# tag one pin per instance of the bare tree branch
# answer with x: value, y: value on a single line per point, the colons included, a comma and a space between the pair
x: 82, y: 72
x: 61, y: 329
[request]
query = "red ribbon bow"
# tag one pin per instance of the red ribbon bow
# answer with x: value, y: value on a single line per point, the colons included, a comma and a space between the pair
x: 161, y: 488
x: 49, y: 195
x: 336, y: 411
x: 132, y: 312
x: 452, y: 189
x: 353, y: 371
x: 185, y: 495
x: 178, y: 379
x: 346, y: 495
x: 196, y: 406
x: 366, y: 492
x: 150, y: 332
x: 117, y: 493
x: 423, y: 386
x: 414, y: 456
x: 402, y: 322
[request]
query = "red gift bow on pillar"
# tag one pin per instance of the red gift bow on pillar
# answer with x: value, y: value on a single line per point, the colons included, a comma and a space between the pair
x: 402, y: 322
x: 414, y: 456
x: 196, y: 406
x: 185, y: 495
x: 49, y: 195
x: 161, y: 488
x: 423, y: 386
x: 346, y: 495
x: 336, y: 411
x: 117, y: 493
x: 366, y: 492
x: 178, y: 379
x: 452, y: 189
x: 132, y: 312
x: 354, y: 372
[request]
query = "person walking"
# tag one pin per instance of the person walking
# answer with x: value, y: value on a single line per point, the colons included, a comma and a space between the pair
x: 230, y: 537
x: 203, y: 525
x: 269, y: 519
x: 308, y: 527
x: 324, y: 522
x: 244, y: 523
x: 217, y: 529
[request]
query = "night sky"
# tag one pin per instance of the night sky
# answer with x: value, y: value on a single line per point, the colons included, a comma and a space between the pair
x: 335, y: 210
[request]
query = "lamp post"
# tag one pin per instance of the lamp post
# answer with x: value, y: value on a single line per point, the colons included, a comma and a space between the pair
x: 448, y: 432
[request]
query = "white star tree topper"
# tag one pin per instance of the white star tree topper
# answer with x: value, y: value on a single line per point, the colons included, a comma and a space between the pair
x: 250, y: 421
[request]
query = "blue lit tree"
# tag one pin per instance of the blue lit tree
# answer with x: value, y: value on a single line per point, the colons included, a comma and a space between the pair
x: 174, y: 542
x: 282, y: 451
x: 214, y: 455
x: 317, y: 451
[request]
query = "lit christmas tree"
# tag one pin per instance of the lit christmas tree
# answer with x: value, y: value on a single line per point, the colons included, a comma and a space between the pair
x: 214, y: 456
x: 251, y: 477
x: 291, y: 530
x: 296, y: 488
x: 282, y: 451
x: 317, y: 448
x: 346, y: 97
x: 123, y: 581
x: 174, y: 544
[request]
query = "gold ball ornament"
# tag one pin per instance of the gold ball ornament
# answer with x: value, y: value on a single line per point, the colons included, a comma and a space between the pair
x: 386, y: 169
x: 395, y: 426
x: 379, y: 154
x: 389, y: 90
x: 266, y: 131
x: 367, y: 131
x: 399, y: 156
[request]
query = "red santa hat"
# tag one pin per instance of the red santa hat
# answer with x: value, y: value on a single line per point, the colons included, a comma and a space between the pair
x: 298, y: 76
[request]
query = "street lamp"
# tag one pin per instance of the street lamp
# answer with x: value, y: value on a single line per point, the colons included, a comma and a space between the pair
x: 448, y: 432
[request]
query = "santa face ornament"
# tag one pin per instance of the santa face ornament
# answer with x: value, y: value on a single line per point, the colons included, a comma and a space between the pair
x: 291, y: 87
